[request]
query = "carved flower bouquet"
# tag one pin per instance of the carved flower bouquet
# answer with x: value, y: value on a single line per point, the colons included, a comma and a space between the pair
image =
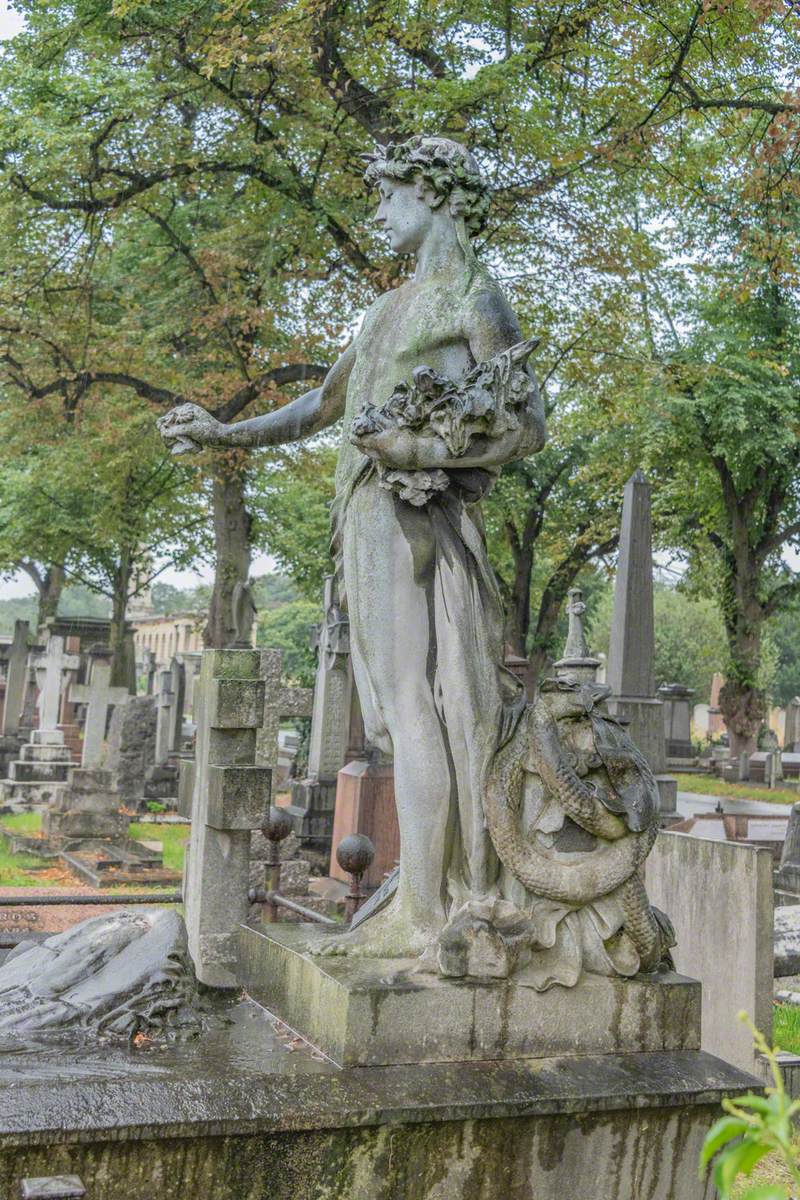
x: 486, y: 403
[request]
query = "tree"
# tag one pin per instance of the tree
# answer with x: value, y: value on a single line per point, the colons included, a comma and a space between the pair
x: 690, y: 643
x: 726, y: 437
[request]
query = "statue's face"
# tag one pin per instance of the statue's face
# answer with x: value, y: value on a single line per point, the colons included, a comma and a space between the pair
x: 404, y: 214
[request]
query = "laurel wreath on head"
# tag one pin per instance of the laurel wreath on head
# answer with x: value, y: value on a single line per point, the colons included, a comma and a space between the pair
x: 440, y: 164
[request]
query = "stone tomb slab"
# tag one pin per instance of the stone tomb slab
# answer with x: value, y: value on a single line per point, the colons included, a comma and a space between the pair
x: 370, y: 1012
x: 105, y: 864
x: 243, y: 1112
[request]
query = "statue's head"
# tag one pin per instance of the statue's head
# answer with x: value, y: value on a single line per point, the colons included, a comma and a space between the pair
x: 421, y: 180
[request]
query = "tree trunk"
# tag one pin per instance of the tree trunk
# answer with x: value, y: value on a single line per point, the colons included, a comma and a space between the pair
x: 123, y: 655
x: 50, y: 587
x: 743, y: 704
x: 232, y: 524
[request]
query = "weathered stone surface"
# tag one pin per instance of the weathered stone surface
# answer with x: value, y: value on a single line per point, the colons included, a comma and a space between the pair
x: 115, y: 974
x: 238, y: 797
x: 788, y: 876
x: 367, y: 1012
x: 719, y: 897
x: 246, y: 1112
x: 130, y: 749
x: 16, y: 676
x: 787, y: 940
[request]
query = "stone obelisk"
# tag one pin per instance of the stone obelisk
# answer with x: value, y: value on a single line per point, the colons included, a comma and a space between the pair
x: 631, y: 655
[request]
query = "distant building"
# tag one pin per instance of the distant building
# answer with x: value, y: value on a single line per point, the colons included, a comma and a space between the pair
x: 165, y: 636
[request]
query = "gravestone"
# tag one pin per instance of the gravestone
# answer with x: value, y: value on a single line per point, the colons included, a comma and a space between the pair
x: 314, y: 798
x: 631, y: 656
x: 177, y: 704
x: 719, y: 897
x: 130, y: 750
x: 791, y: 737
x: 88, y: 808
x: 99, y: 697
x: 787, y: 879
x: 165, y: 702
x: 16, y: 675
x: 677, y: 701
x: 149, y: 670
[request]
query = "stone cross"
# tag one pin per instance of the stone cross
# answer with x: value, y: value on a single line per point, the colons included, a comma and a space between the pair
x: 280, y: 702
x: 165, y: 701
x: 50, y: 668
x: 99, y: 696
x: 631, y: 654
x: 16, y: 675
x: 577, y: 661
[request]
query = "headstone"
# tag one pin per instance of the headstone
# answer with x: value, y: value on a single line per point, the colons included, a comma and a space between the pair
x: 677, y: 701
x: 16, y: 675
x: 165, y: 702
x: 178, y: 690
x: 50, y: 668
x: 314, y: 798
x: 716, y: 723
x: 791, y: 739
x: 99, y: 696
x: 631, y: 655
x: 130, y: 750
x: 148, y: 670
x: 231, y: 797
x: 719, y: 897
x: 744, y: 767
x: 88, y: 808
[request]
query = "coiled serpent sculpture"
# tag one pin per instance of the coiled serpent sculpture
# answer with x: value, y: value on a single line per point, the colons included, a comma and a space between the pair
x: 622, y: 815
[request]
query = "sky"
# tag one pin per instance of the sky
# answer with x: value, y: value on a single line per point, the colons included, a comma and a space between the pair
x: 10, y: 22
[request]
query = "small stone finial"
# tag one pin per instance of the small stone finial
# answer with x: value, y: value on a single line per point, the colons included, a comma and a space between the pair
x: 576, y: 661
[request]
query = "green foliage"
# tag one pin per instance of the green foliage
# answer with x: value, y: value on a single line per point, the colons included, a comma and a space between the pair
x: 689, y: 636
x: 291, y: 505
x: 754, y: 1127
x: 784, y: 633
x: 786, y: 1027
x: 288, y: 628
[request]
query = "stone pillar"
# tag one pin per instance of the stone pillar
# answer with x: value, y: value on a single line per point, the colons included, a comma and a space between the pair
x: 165, y: 701
x: 16, y: 675
x: 231, y: 797
x: 178, y: 689
x: 631, y: 655
x: 314, y: 798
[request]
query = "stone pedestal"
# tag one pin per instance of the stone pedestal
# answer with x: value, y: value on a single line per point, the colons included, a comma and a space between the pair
x: 365, y: 804
x: 89, y: 808
x: 645, y: 720
x: 379, y: 1012
x: 247, y: 1112
x: 40, y: 773
x: 787, y: 878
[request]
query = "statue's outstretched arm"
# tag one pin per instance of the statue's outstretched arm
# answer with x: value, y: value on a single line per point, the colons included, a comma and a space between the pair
x: 189, y: 427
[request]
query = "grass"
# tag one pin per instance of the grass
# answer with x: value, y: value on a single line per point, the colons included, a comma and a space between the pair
x: 173, y: 839
x: 707, y: 785
x: 786, y: 1027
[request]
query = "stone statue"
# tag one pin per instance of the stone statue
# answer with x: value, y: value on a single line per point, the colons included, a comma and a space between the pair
x: 436, y: 396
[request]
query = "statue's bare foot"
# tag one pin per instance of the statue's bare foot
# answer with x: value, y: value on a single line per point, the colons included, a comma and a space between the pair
x: 389, y: 934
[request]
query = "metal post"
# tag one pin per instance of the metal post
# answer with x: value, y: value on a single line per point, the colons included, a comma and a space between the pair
x: 354, y: 855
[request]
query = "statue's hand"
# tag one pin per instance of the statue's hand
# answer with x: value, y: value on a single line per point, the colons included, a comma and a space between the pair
x: 189, y: 427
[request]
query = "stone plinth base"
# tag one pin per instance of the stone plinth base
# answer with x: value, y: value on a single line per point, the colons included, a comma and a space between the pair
x: 362, y: 1012
x: 241, y: 1114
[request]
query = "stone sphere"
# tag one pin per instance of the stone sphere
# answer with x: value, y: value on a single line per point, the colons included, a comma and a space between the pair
x: 354, y: 853
x: 278, y: 824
